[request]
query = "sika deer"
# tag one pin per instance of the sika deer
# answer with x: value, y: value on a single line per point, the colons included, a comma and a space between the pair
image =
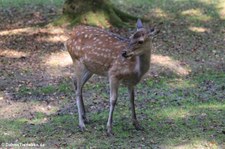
x: 96, y: 51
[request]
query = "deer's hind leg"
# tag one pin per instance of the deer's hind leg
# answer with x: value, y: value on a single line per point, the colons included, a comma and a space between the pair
x: 81, y: 77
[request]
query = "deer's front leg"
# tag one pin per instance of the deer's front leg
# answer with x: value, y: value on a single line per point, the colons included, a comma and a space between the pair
x: 134, y: 118
x: 114, y: 84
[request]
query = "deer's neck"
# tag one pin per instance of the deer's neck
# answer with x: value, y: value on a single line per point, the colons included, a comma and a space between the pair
x: 142, y: 63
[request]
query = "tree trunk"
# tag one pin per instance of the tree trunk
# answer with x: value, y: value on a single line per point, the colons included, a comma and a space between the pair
x: 94, y: 12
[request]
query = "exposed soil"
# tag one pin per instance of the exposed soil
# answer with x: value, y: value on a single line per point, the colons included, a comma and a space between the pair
x: 35, y: 69
x: 32, y: 53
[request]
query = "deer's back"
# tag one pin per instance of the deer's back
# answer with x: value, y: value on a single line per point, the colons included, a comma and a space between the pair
x: 97, y: 49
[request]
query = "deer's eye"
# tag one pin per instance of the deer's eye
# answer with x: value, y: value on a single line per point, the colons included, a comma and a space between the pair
x: 137, y: 35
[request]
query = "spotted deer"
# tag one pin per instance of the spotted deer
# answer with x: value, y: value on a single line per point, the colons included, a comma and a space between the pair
x: 122, y: 60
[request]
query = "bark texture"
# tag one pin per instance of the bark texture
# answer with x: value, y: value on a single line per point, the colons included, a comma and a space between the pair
x: 95, y: 12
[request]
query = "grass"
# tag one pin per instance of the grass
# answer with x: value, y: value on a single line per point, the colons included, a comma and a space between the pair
x: 21, y: 3
x: 63, y: 87
x: 172, y: 114
x: 176, y: 111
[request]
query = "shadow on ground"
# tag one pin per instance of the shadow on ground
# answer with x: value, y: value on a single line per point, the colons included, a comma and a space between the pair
x: 36, y: 88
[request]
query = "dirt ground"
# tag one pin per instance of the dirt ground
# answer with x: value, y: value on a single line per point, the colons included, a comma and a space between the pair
x: 32, y: 55
x: 36, y: 71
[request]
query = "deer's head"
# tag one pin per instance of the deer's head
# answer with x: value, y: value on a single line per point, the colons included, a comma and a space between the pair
x: 139, y: 41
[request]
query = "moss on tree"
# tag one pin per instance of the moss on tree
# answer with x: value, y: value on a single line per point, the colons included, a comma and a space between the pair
x: 94, y: 12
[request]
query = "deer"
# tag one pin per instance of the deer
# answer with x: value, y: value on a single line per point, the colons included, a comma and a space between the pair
x: 122, y: 60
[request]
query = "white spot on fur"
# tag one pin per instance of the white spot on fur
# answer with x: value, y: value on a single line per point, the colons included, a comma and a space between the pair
x: 78, y: 47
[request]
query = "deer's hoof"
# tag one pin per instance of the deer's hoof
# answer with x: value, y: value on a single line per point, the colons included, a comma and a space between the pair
x: 82, y: 128
x: 110, y: 133
x: 86, y: 121
x: 138, y: 126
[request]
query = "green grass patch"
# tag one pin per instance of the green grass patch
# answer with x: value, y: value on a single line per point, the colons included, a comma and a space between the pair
x: 11, y: 130
x: 182, y: 112
x: 62, y: 88
x: 21, y: 3
x: 47, y: 90
x: 172, y: 115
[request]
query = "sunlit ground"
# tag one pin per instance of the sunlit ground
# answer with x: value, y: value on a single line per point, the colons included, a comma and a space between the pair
x: 180, y: 102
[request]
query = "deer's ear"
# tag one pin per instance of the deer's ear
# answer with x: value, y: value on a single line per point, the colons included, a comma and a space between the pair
x: 139, y: 24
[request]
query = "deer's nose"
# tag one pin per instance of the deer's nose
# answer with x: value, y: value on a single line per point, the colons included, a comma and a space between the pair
x: 124, y: 54
x: 140, y: 42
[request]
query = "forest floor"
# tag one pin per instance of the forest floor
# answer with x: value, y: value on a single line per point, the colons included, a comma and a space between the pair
x: 180, y: 102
